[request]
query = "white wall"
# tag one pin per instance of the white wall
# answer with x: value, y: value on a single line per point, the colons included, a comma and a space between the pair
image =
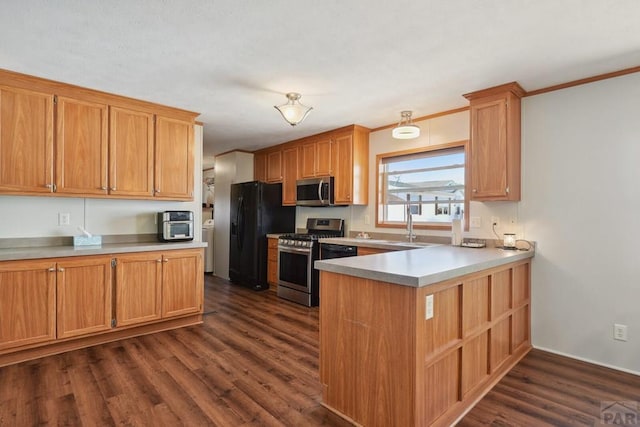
x: 26, y: 216
x: 581, y: 203
x: 231, y: 168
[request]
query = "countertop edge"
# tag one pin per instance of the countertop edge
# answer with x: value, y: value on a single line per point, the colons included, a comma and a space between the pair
x: 18, y: 254
x: 432, y: 277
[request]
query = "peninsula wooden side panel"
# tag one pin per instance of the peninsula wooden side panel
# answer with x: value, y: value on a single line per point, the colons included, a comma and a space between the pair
x: 384, y: 363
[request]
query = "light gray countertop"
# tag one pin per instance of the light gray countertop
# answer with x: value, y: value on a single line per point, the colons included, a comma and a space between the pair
x: 11, y: 254
x: 422, y: 267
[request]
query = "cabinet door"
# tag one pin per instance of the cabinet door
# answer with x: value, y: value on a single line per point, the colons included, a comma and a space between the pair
x: 343, y: 169
x: 27, y: 303
x: 289, y: 175
x: 272, y: 262
x: 182, y: 282
x: 174, y: 159
x: 274, y: 166
x: 323, y: 157
x: 138, y: 288
x: 26, y: 141
x: 83, y: 296
x: 488, y: 159
x: 260, y: 167
x: 308, y: 161
x: 81, y: 147
x: 130, y: 153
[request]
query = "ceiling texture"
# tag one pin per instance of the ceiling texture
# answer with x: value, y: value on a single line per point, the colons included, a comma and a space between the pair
x: 359, y: 61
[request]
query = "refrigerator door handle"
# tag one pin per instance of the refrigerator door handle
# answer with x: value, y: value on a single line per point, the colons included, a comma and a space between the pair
x: 240, y: 221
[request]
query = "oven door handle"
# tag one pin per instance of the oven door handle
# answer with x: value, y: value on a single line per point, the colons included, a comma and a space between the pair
x: 294, y: 250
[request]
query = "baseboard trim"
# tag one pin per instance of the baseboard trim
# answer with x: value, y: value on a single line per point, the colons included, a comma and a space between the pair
x: 583, y: 359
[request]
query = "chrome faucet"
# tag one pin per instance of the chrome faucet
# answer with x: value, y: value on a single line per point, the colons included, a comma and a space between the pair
x: 410, y: 234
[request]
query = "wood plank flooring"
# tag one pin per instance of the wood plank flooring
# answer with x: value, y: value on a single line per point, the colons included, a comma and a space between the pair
x: 254, y: 362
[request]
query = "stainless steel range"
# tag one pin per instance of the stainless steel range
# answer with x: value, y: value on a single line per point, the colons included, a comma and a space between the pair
x: 297, y: 279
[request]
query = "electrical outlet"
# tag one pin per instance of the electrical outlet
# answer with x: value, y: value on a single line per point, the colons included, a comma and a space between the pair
x: 475, y: 222
x: 495, y: 221
x: 428, y: 307
x: 64, y: 218
x: 620, y: 332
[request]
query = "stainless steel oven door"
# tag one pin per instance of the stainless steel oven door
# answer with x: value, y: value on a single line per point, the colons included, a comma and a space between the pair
x: 294, y: 268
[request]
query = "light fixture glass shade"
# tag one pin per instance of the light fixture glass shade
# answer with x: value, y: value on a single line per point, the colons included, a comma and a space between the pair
x: 405, y: 129
x: 293, y: 111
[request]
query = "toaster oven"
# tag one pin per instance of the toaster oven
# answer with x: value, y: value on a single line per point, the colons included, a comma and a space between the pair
x: 175, y: 226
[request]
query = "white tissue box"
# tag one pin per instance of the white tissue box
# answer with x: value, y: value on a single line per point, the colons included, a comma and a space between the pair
x: 86, y: 242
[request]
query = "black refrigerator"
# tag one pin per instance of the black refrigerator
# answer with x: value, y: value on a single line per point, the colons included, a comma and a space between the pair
x: 256, y: 210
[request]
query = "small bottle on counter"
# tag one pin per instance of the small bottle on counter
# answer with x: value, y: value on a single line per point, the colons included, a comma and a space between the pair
x: 456, y: 231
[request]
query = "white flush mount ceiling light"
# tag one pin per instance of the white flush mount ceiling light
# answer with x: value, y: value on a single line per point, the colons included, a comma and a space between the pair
x: 405, y: 129
x: 293, y: 112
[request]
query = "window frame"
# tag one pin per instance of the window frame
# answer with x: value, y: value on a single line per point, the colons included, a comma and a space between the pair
x: 417, y: 226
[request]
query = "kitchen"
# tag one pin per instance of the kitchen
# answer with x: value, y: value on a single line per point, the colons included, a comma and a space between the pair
x: 581, y: 278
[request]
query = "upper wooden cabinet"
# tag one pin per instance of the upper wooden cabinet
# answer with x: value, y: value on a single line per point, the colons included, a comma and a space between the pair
x: 290, y: 175
x: 342, y: 153
x: 131, y: 154
x: 26, y: 141
x: 350, y: 164
x: 494, y: 158
x: 260, y: 166
x: 174, y: 159
x: 105, y: 145
x: 274, y: 166
x: 81, y: 147
x: 316, y: 158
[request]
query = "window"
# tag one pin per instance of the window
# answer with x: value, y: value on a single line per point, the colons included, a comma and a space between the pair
x: 429, y: 181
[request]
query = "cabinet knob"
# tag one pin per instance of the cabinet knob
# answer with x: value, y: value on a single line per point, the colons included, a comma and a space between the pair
x: 103, y: 188
x: 48, y: 185
x: 507, y: 190
x: 156, y: 191
x: 61, y: 269
x: 165, y: 260
x: 113, y: 188
x: 159, y: 260
x: 52, y: 269
x: 474, y: 190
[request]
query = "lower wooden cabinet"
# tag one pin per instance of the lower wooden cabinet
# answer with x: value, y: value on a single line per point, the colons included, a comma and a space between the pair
x: 83, y: 288
x: 378, y: 344
x: 53, y: 305
x: 182, y: 283
x: 157, y: 285
x: 364, y: 250
x: 27, y: 303
x: 272, y: 262
x: 138, y: 288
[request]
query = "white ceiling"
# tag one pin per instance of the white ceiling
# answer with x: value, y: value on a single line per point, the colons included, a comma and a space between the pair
x: 354, y: 61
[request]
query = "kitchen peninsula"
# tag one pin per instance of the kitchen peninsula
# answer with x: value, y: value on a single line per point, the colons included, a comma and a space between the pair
x: 417, y: 337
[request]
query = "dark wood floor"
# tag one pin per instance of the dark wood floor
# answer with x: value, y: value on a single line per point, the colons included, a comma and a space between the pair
x: 254, y: 362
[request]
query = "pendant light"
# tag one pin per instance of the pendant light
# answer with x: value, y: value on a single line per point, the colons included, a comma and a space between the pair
x: 405, y: 129
x: 293, y: 112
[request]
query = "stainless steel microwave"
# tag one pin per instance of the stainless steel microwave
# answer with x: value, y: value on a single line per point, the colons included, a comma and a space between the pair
x: 315, y: 192
x: 175, y: 226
